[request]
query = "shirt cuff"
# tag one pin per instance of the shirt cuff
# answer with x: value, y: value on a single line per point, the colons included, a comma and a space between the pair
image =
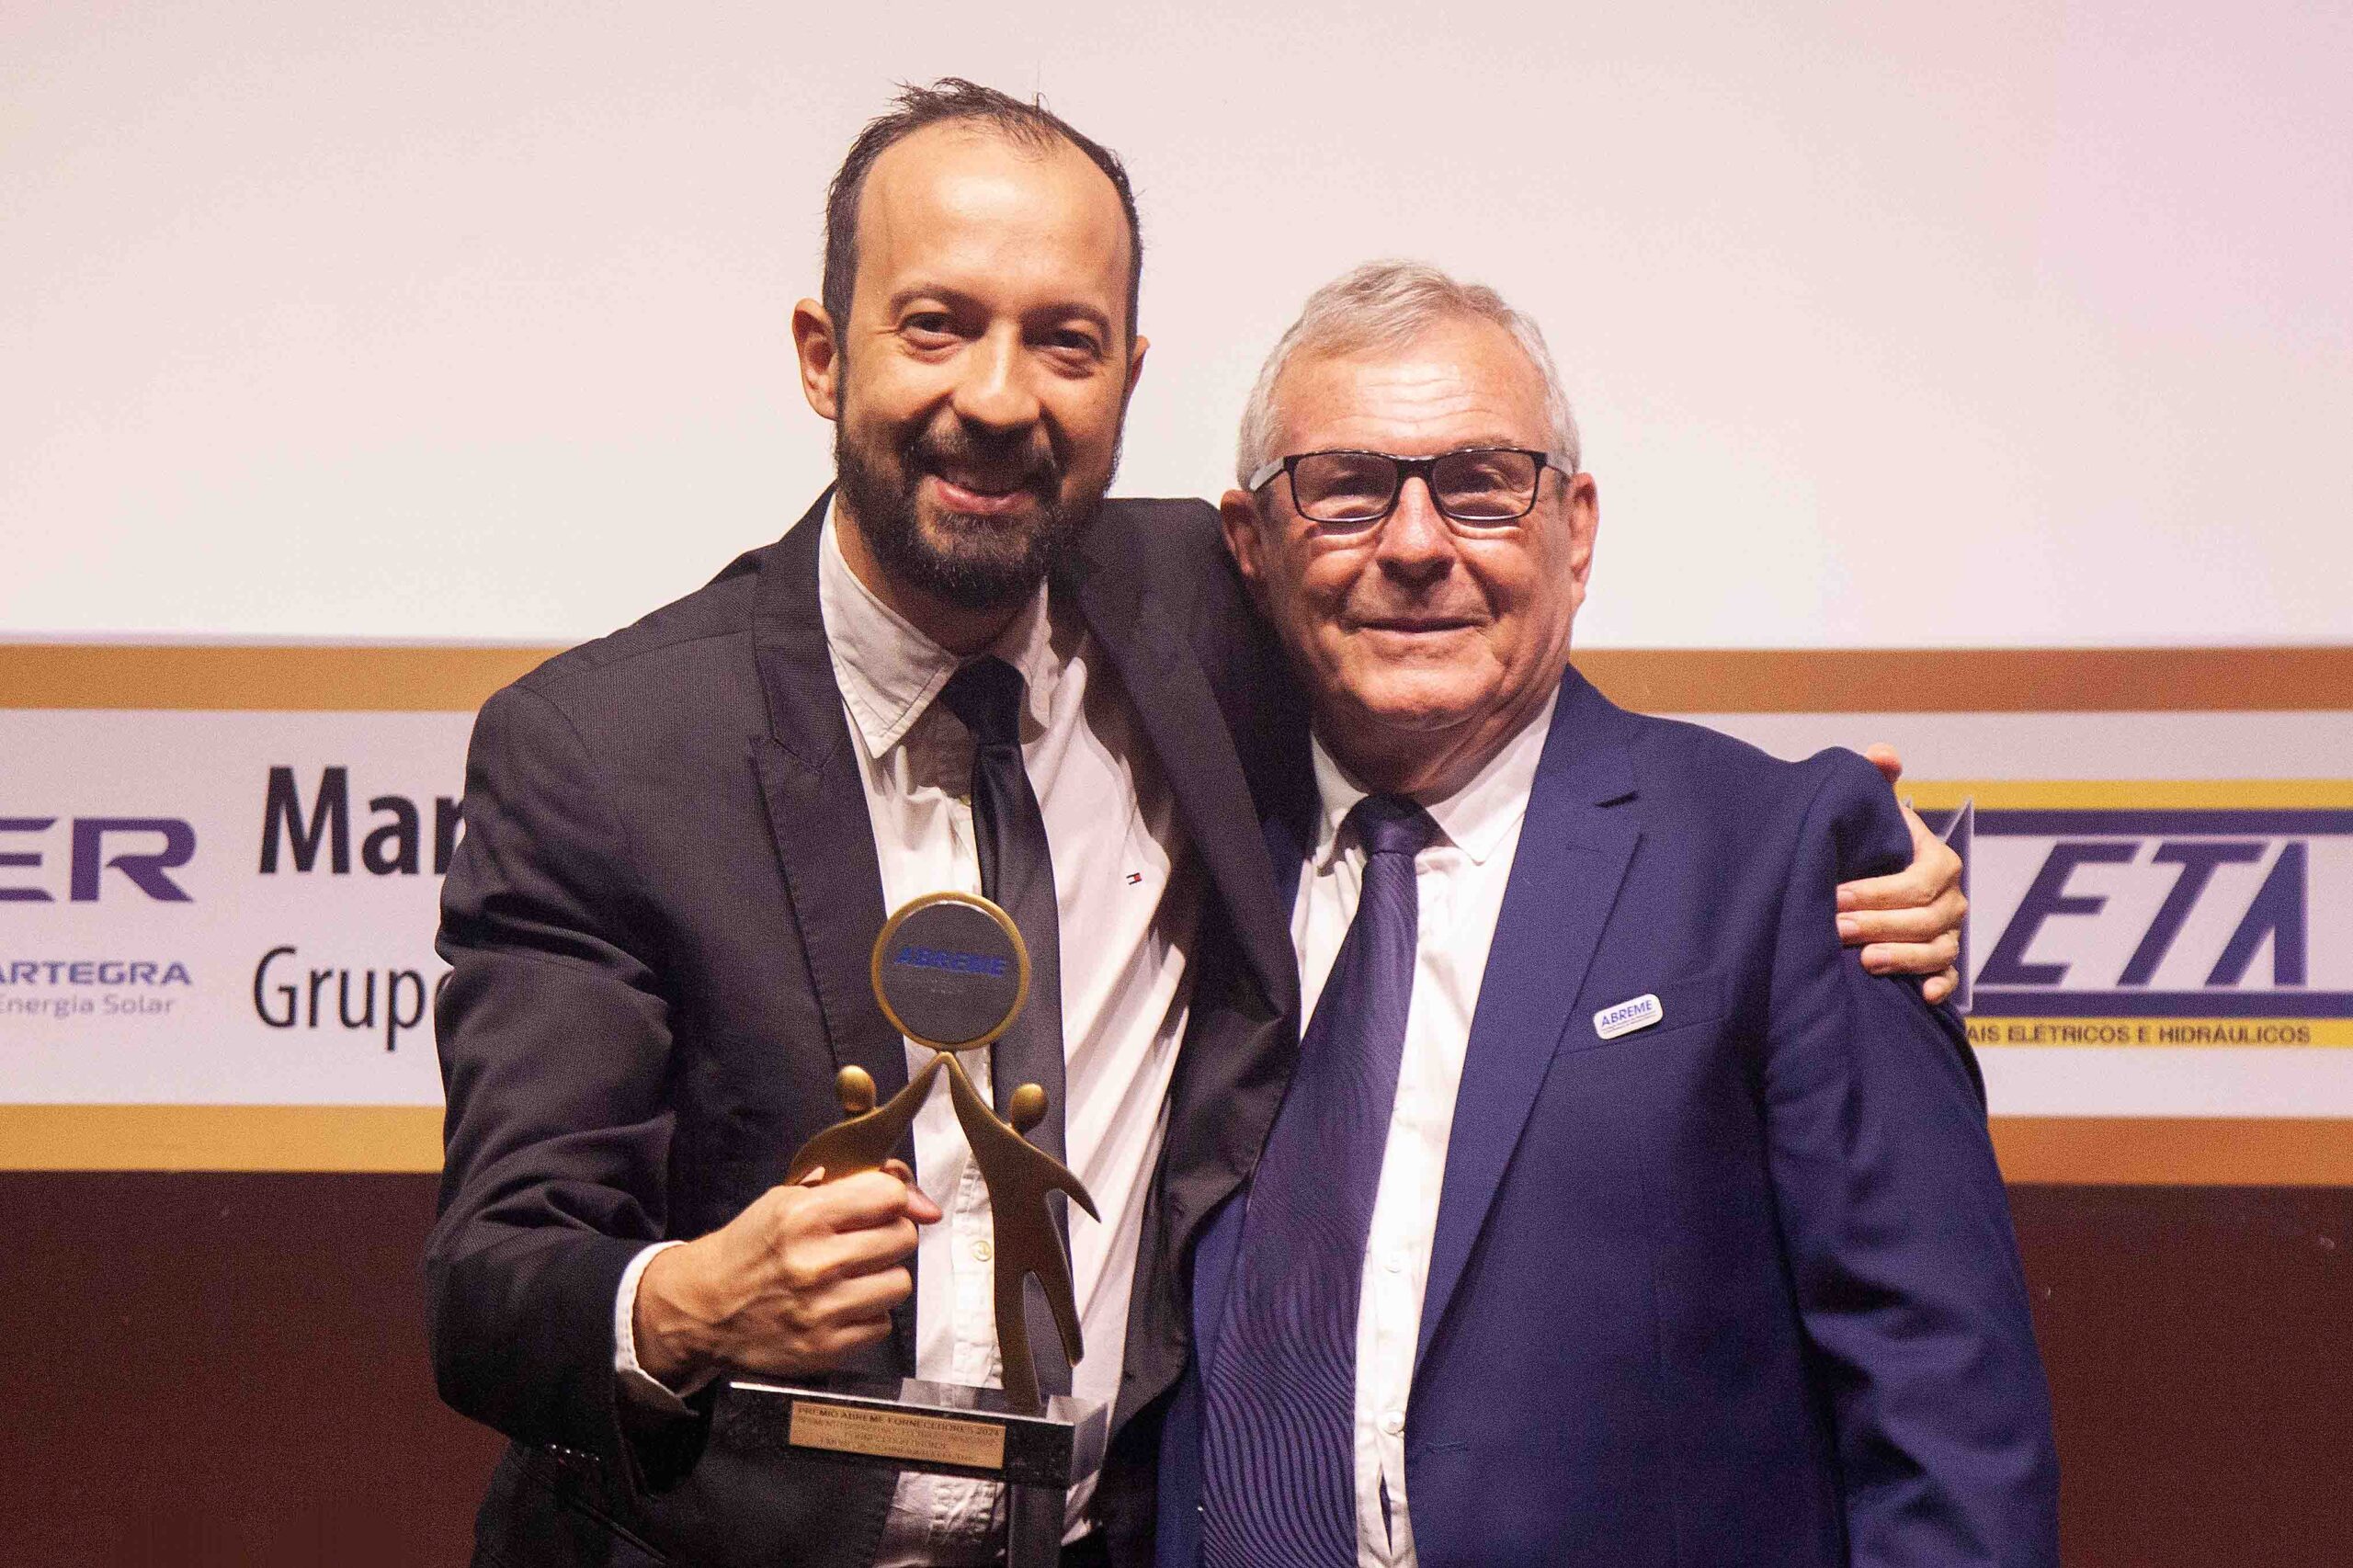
x: 637, y: 1383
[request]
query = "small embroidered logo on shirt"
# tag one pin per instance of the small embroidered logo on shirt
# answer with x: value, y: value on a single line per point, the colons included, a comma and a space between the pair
x: 1627, y: 1016
x: 1134, y: 877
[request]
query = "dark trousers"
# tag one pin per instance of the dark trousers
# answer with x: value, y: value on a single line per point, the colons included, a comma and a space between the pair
x: 1087, y: 1552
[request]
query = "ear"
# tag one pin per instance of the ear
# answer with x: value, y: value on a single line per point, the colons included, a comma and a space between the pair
x: 819, y: 351
x: 1585, y: 524
x: 1135, y: 371
x: 1237, y: 515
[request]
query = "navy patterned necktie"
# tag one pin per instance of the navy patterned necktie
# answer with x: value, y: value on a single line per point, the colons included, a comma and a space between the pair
x: 1018, y: 876
x: 1279, y: 1444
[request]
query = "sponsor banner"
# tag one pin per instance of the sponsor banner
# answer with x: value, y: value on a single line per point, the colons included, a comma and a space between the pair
x: 217, y: 906
x: 2211, y: 915
x: 2165, y: 946
x: 228, y: 908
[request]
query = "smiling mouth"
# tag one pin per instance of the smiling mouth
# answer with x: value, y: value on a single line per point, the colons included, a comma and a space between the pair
x: 978, y: 494
x: 1420, y: 626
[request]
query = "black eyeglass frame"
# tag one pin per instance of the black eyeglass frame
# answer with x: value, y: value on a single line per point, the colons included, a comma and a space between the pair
x: 1412, y: 468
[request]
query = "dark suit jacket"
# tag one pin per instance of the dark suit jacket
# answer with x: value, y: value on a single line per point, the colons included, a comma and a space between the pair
x: 1737, y: 1287
x: 659, y: 921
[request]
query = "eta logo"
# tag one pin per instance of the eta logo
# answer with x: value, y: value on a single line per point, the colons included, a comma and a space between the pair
x: 140, y: 850
x: 2153, y: 913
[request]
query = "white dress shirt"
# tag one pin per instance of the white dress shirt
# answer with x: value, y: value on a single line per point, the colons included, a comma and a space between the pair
x: 1129, y: 896
x: 1459, y: 884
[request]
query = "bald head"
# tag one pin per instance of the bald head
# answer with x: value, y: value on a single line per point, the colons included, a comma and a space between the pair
x: 954, y: 101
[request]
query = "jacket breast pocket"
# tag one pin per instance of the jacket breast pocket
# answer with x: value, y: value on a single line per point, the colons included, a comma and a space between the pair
x: 1639, y: 1015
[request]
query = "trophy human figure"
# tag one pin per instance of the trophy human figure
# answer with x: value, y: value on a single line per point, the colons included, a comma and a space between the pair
x: 1019, y: 1175
x: 864, y: 1142
x: 952, y: 973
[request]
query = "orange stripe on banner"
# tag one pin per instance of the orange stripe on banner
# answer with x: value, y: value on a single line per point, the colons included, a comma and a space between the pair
x: 2114, y: 1150
x: 220, y: 1138
x: 1986, y: 680
x: 2070, y: 1151
x: 279, y: 680
x: 1973, y: 680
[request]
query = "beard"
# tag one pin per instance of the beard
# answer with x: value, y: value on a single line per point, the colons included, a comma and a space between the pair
x: 976, y: 562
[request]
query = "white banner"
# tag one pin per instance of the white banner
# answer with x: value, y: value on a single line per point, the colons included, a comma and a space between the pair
x: 210, y: 911
x: 211, y: 908
x: 2161, y: 904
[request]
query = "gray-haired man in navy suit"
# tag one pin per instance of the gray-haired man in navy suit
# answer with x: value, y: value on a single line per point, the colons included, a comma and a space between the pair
x: 1613, y: 1216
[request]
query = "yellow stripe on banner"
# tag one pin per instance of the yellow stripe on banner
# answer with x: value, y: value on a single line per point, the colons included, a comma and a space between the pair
x: 2115, y: 1151
x: 2162, y: 1033
x: 220, y: 1138
x: 2130, y: 794
x: 2086, y: 1151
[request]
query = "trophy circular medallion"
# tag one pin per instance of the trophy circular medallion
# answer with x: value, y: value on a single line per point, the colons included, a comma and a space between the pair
x: 950, y: 971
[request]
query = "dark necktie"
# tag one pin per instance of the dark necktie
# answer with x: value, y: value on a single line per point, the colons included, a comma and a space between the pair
x: 1279, y: 1447
x: 1017, y: 875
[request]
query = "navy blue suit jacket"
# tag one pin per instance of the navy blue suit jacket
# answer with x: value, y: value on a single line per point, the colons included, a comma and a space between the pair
x: 1737, y: 1288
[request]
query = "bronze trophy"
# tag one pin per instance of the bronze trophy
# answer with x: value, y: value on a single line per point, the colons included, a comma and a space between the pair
x: 952, y: 974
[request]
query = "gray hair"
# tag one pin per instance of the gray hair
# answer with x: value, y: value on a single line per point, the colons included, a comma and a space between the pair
x: 1387, y: 304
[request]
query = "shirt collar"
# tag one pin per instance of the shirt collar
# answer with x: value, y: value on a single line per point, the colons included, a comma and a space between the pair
x: 1475, y: 819
x: 888, y: 671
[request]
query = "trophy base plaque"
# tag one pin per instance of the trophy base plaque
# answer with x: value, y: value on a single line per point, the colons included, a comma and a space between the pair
x: 908, y: 1423
x: 938, y: 1428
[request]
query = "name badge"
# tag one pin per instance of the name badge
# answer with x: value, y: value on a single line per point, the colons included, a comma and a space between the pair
x: 1627, y: 1016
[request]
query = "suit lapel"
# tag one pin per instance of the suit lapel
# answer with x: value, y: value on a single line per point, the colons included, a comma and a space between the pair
x: 1287, y: 844
x: 1135, y: 623
x: 1574, y: 850
x: 816, y: 807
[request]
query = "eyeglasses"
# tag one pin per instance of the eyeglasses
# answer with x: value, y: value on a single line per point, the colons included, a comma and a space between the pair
x: 1346, y: 492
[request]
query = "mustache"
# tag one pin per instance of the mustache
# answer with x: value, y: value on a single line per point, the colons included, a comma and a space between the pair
x: 1021, y: 459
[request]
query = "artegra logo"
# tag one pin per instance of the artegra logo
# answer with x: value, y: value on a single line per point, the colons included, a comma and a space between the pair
x: 93, y: 972
x: 2143, y: 914
x: 66, y: 989
x: 141, y: 849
